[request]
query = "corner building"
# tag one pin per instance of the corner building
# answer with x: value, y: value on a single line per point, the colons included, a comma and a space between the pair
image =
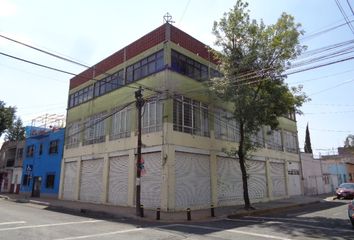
x: 184, y: 133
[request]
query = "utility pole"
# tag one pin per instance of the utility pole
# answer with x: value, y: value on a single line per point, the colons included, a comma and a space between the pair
x: 139, y: 105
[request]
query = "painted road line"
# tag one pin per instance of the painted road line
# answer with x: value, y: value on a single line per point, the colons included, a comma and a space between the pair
x: 283, y: 219
x: 228, y: 230
x: 48, y: 225
x: 9, y: 223
x: 102, y: 234
x: 293, y: 224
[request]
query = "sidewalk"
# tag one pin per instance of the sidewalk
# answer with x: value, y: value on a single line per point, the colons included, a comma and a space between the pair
x: 118, y: 212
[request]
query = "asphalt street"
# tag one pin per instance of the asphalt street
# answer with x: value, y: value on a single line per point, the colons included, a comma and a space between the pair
x: 326, y: 220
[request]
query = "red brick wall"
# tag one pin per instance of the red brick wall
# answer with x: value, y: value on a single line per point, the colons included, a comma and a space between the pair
x: 149, y: 40
x: 188, y: 42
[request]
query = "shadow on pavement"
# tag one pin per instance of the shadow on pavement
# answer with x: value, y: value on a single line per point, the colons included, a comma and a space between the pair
x: 299, y: 225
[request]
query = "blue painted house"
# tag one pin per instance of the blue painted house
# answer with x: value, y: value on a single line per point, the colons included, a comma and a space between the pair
x: 43, y: 153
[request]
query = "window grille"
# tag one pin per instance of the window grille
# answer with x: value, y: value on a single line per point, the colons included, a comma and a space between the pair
x: 190, y: 116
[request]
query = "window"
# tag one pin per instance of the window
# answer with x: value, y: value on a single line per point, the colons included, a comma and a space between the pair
x: 225, y: 126
x: 81, y: 96
x: 73, y: 135
x: 94, y: 129
x: 19, y: 153
x: 121, y: 124
x: 258, y: 138
x: 274, y: 140
x: 152, y: 116
x: 291, y: 115
x: 49, y: 181
x: 40, y: 149
x: 290, y: 141
x: 30, y: 151
x: 189, y: 67
x: 53, y: 146
x: 190, y: 116
x: 145, y: 67
x: 26, y: 180
x: 109, y: 83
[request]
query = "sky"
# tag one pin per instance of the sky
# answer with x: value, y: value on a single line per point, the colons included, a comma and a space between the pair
x: 89, y: 31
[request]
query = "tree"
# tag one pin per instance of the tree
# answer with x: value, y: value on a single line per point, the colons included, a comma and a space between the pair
x: 307, y: 147
x: 252, y: 60
x: 7, y: 116
x: 16, y: 132
x: 349, y: 141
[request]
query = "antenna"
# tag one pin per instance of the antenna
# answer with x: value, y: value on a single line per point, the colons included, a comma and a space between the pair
x: 167, y: 18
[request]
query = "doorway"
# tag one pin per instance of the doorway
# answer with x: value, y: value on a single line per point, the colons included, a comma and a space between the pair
x: 36, y: 190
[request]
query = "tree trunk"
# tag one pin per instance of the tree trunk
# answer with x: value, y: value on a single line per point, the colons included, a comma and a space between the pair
x: 241, y: 156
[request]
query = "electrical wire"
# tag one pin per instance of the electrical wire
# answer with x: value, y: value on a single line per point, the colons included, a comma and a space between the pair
x: 350, y: 6
x: 44, y: 51
x: 59, y: 70
x: 345, y: 16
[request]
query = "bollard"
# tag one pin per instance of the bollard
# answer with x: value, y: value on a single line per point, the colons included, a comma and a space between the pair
x: 158, y: 213
x: 189, y: 214
x: 212, y: 211
x: 141, y: 210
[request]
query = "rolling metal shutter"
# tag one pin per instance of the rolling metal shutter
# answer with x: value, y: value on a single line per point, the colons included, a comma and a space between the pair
x: 91, y: 180
x: 118, y: 180
x: 151, y: 180
x: 257, y: 181
x: 192, y: 180
x: 70, y: 180
x: 278, y: 179
x: 230, y: 189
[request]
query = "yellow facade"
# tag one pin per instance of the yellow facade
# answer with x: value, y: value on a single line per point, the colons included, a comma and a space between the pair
x: 173, y: 148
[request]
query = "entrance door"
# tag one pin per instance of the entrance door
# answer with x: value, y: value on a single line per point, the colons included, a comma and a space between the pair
x: 36, y: 190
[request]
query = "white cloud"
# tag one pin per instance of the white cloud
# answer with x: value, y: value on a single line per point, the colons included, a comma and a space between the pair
x: 7, y: 8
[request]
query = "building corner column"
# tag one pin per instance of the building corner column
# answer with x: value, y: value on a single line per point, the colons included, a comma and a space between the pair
x: 105, y: 179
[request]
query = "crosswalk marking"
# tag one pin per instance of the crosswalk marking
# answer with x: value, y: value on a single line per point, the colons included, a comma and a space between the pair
x: 48, y: 225
x: 9, y: 223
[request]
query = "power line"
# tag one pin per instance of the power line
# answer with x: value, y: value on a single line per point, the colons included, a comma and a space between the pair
x: 328, y: 130
x: 306, y: 37
x: 65, y: 59
x: 35, y: 74
x: 331, y: 104
x: 345, y: 16
x: 330, y: 112
x: 330, y: 88
x: 185, y: 10
x: 59, y: 70
x: 326, y: 76
x: 38, y: 64
x: 350, y: 6
x: 44, y: 51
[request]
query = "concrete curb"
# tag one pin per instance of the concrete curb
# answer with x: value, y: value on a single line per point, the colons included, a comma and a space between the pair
x: 150, y: 215
x: 267, y: 210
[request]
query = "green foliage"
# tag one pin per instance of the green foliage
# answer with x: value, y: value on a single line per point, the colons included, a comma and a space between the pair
x: 16, y: 132
x: 252, y: 59
x: 349, y: 141
x: 307, y: 147
x: 7, y: 116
